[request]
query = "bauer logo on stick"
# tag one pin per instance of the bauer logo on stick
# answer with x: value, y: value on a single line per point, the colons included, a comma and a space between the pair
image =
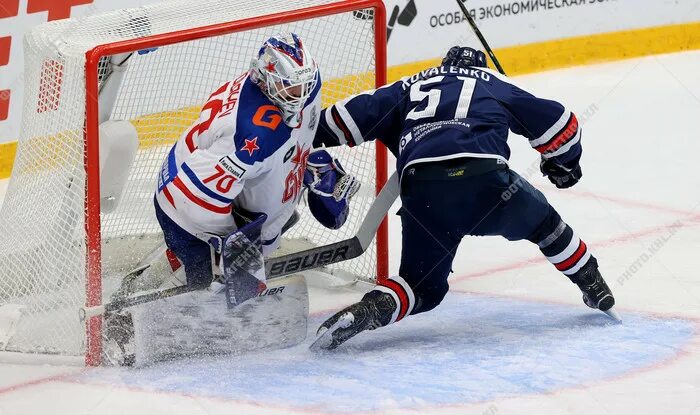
x: 312, y: 260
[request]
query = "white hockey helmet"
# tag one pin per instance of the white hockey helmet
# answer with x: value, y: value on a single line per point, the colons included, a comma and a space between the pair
x: 285, y: 72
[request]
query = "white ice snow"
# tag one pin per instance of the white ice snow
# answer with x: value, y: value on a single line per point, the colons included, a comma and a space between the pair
x: 513, y: 336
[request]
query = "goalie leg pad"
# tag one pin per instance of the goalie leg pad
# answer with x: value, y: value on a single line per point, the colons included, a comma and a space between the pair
x: 200, y: 323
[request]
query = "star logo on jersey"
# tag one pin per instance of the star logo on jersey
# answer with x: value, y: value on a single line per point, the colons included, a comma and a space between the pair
x: 251, y: 146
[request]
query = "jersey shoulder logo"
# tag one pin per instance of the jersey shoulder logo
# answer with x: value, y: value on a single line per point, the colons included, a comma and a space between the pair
x: 260, y: 128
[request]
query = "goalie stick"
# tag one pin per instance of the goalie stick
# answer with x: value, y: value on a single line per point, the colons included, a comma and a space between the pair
x: 343, y: 250
x: 87, y: 312
x: 284, y: 265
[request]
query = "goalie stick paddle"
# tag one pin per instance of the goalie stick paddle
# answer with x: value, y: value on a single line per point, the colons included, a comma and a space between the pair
x: 481, y: 37
x: 284, y: 265
x: 343, y: 250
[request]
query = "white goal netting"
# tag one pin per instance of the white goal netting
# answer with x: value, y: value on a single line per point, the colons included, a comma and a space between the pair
x: 42, y: 222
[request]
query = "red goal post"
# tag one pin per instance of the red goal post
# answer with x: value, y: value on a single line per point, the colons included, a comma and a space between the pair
x: 91, y: 132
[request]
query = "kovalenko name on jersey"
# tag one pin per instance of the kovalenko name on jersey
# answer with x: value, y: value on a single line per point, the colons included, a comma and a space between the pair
x: 445, y: 70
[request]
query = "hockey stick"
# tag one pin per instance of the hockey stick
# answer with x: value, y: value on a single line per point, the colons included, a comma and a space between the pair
x: 481, y: 37
x: 119, y: 298
x: 343, y: 250
x: 281, y: 266
x: 87, y: 312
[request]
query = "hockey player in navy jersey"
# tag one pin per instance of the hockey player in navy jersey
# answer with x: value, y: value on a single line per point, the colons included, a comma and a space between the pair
x: 448, y: 127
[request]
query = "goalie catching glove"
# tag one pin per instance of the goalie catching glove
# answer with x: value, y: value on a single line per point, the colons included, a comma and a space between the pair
x: 330, y: 189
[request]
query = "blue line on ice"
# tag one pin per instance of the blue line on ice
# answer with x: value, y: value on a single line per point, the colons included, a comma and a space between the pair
x: 469, y: 349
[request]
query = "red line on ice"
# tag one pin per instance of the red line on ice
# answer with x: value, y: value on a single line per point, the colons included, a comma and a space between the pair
x: 688, y: 222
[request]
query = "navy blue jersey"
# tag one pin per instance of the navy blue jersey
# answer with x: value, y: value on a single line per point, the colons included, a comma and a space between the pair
x: 448, y: 112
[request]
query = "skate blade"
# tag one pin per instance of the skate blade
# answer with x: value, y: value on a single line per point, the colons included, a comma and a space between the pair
x: 325, y: 338
x: 614, y: 314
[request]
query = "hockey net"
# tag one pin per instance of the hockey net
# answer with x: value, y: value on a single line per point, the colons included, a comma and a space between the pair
x: 57, y: 252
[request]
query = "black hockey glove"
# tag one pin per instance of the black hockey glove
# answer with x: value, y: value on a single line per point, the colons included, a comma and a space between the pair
x: 562, y: 177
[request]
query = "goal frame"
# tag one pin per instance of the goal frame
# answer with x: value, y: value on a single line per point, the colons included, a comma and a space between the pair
x: 93, y: 221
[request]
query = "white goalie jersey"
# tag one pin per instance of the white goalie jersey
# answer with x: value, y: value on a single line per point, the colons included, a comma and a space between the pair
x: 238, y: 155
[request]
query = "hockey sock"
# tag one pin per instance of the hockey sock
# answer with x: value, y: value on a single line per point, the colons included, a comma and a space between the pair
x: 403, y: 295
x: 564, y: 249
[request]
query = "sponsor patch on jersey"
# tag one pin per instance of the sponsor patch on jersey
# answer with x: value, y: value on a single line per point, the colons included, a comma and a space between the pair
x: 404, y: 141
x: 232, y: 167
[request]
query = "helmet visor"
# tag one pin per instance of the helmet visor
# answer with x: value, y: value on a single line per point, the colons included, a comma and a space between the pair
x: 290, y: 95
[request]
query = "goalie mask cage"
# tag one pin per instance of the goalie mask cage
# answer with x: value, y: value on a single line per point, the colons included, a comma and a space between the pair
x: 57, y: 250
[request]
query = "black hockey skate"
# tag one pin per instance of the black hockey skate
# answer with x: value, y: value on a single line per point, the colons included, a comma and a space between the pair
x: 373, y: 311
x: 596, y: 293
x: 118, y: 340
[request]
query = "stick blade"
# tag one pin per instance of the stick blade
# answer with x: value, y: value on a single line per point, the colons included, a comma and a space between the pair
x: 408, y: 14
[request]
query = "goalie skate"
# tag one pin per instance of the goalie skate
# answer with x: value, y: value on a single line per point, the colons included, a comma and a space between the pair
x: 118, y: 340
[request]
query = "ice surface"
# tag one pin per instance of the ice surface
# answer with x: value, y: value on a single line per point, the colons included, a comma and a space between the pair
x: 476, y: 348
x: 513, y: 337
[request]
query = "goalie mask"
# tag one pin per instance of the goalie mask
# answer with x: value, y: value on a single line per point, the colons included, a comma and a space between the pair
x: 286, y: 73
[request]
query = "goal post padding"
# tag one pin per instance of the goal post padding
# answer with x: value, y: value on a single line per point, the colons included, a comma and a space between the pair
x: 57, y: 251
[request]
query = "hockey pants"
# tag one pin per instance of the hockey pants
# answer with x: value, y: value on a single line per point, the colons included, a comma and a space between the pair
x: 445, y: 201
x: 194, y: 253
